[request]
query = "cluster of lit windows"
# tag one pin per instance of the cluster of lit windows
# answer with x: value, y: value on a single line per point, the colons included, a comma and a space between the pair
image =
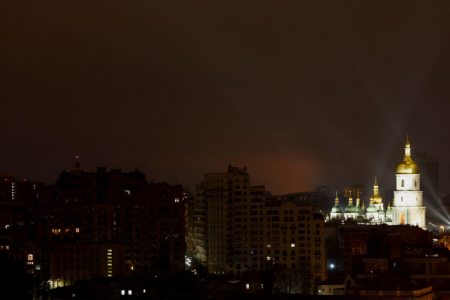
x: 109, y: 260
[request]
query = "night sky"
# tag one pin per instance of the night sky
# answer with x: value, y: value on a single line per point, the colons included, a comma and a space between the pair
x: 303, y: 93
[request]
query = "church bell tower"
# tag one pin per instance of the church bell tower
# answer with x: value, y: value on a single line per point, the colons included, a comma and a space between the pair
x: 408, y: 205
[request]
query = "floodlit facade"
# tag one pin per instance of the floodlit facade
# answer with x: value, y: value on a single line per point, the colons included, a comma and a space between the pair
x: 407, y: 206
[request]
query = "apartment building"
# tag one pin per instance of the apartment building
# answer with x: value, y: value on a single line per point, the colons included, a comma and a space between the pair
x: 237, y: 229
x: 105, y: 223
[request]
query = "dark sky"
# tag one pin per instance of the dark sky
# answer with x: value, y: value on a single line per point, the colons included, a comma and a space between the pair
x: 303, y: 93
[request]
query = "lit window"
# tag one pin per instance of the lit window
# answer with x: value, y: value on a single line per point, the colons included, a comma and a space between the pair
x: 130, y: 292
x: 262, y: 286
x: 292, y: 245
x: 7, y: 247
x: 30, y: 257
x: 268, y: 258
x: 77, y: 230
x: 143, y: 291
x: 38, y: 267
x: 128, y: 192
x: 123, y: 292
x: 177, y: 200
x: 73, y: 295
x: 6, y: 226
x: 247, y: 286
x: 269, y: 245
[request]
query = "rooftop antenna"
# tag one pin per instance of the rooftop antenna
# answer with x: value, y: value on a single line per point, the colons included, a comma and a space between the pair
x: 77, y: 162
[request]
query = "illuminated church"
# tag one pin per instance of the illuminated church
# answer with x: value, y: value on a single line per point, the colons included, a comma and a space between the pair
x: 407, y: 206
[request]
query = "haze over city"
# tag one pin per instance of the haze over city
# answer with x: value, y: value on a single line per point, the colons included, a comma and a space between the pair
x: 306, y: 94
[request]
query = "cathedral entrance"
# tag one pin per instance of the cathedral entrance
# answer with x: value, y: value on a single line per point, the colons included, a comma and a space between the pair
x: 402, y: 219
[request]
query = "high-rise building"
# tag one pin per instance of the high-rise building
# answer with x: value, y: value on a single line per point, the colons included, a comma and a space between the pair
x: 12, y: 189
x: 104, y: 223
x: 429, y: 178
x: 236, y: 229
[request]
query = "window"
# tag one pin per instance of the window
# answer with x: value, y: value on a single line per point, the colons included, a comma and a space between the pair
x: 292, y: 245
x: 77, y: 230
x: 109, y: 262
x: 177, y: 200
x: 247, y: 286
x: 130, y: 292
x: 415, y: 183
x: 403, y: 183
x: 30, y: 257
x: 38, y: 267
x: 127, y: 192
x: 123, y: 292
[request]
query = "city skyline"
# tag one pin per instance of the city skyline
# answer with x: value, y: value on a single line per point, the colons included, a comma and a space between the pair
x: 224, y: 149
x: 77, y: 165
x: 303, y: 94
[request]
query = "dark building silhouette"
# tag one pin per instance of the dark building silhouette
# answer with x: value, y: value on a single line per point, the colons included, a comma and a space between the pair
x: 12, y: 189
x: 104, y: 223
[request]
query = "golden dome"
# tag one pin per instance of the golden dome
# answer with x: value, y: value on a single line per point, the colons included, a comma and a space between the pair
x: 407, y: 166
x: 376, y: 197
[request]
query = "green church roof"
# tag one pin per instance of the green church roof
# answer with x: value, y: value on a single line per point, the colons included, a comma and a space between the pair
x: 350, y: 208
x: 336, y: 209
x: 372, y: 208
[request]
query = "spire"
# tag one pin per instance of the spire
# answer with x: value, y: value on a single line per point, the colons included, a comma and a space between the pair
x: 336, y: 201
x: 389, y: 206
x: 407, y: 146
x: 350, y: 199
x: 408, y: 166
x: 362, y: 207
x: 357, y: 199
x: 375, y: 188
